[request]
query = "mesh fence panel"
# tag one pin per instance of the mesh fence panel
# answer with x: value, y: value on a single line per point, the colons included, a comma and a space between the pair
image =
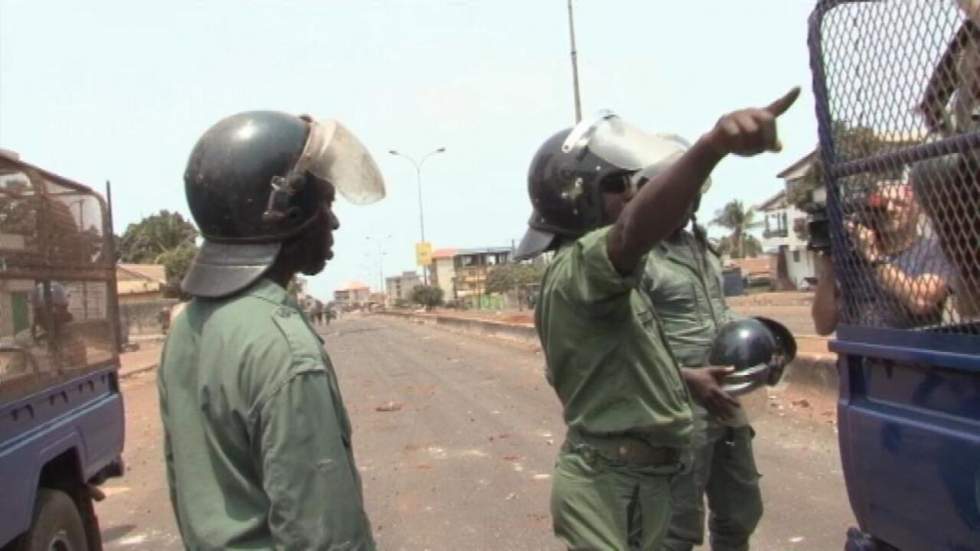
x: 898, y: 101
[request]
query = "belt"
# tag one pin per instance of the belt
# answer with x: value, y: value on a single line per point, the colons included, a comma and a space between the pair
x: 623, y: 448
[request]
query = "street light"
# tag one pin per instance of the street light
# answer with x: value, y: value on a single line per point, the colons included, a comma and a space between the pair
x: 418, y: 178
x: 381, y: 255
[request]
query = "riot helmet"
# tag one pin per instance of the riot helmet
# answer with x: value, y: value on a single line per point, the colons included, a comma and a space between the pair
x: 573, y: 167
x: 259, y: 178
x: 758, y: 348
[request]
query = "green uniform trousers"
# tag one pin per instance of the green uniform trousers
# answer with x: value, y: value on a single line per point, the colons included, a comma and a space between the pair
x: 598, y: 504
x: 723, y: 470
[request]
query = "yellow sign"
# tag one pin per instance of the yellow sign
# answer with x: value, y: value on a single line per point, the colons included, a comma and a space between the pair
x: 423, y: 253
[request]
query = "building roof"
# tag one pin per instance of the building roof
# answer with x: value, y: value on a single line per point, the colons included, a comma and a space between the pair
x: 484, y: 250
x: 353, y: 286
x: 134, y: 279
x: 750, y: 266
x: 799, y: 168
x: 443, y: 253
x: 777, y: 201
x: 150, y: 272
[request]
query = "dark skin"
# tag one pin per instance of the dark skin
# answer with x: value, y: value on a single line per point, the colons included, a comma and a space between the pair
x: 308, y: 252
x: 663, y: 204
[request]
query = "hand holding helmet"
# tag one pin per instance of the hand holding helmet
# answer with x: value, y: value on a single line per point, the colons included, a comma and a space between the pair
x: 758, y: 348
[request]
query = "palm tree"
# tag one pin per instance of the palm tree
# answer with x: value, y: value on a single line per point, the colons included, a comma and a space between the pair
x: 735, y: 217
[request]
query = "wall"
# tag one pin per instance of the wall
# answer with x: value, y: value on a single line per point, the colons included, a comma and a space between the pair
x: 772, y: 244
x: 806, y: 267
x: 141, y: 318
x: 445, y: 272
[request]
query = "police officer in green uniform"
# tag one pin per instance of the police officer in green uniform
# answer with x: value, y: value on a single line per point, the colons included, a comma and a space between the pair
x: 604, y: 194
x: 257, y: 439
x: 683, y: 281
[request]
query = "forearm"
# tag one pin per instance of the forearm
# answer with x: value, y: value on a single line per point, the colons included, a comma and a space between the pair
x: 824, y: 308
x: 659, y: 207
x: 920, y: 295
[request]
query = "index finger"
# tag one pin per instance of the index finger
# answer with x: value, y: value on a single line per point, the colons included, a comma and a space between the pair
x: 782, y: 104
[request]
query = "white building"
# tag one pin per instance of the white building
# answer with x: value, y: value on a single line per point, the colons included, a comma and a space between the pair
x: 795, y: 265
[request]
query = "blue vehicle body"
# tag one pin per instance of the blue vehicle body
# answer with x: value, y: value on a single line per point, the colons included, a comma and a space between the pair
x: 61, y: 411
x: 73, y: 429
x: 909, y: 408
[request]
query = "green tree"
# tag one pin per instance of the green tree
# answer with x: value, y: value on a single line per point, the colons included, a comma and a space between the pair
x: 146, y: 240
x: 428, y: 296
x: 508, y: 277
x: 163, y: 238
x: 176, y: 262
x: 740, y: 221
x: 753, y: 247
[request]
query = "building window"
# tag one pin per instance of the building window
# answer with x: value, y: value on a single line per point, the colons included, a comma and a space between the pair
x: 796, y: 256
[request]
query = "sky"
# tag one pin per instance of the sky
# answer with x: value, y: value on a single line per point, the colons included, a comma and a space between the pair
x: 121, y: 90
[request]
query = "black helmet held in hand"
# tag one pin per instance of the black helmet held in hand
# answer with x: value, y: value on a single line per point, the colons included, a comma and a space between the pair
x: 758, y: 348
x: 573, y: 167
x: 258, y: 178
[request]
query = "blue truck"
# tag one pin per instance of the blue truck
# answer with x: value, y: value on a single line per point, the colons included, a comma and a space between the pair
x: 898, y: 106
x: 61, y: 411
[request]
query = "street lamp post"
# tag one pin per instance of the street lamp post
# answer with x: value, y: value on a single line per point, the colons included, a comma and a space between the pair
x: 418, y: 178
x: 381, y: 262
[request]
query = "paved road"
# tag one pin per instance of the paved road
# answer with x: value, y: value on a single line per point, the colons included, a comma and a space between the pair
x: 465, y: 460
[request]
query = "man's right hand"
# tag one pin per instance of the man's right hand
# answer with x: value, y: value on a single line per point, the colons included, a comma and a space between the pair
x: 751, y: 131
x: 705, y: 384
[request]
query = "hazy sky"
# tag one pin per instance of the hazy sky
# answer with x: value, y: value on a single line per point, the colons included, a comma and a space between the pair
x: 121, y: 90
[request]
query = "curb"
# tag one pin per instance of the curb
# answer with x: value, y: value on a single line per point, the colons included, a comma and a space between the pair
x: 136, y: 371
x: 816, y: 371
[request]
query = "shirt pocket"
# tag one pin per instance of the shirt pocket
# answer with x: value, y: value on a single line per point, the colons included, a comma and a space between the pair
x: 677, y: 298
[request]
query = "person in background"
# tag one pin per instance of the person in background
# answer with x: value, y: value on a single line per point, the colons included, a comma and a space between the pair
x: 902, y: 278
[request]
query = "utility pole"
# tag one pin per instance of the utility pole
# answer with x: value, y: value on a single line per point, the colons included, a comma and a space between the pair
x: 571, y: 32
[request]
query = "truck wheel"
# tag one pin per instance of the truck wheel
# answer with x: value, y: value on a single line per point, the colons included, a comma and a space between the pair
x: 56, y: 525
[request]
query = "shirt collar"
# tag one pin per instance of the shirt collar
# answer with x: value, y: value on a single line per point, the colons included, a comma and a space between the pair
x: 270, y: 291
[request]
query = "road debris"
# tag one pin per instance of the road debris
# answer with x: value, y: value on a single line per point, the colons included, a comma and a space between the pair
x: 389, y: 406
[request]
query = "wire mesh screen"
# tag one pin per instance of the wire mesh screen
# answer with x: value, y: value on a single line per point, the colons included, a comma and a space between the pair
x: 898, y: 101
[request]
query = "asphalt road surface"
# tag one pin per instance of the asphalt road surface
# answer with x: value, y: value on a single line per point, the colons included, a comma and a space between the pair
x: 455, y: 437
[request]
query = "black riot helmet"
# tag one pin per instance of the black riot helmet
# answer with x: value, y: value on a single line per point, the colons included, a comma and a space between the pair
x: 571, y: 169
x: 258, y: 178
x: 758, y: 348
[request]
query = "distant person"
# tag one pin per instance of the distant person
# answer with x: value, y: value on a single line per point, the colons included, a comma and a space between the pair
x: 257, y: 438
x: 605, y: 193
x: 163, y: 318
x: 901, y: 279
x: 317, y: 312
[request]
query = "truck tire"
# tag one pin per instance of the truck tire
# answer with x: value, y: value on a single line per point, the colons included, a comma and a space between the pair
x: 56, y: 525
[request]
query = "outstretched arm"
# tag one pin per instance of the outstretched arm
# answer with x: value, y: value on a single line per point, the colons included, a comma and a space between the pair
x: 663, y: 201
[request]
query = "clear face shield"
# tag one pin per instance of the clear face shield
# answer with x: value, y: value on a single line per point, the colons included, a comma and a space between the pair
x: 333, y: 153
x: 621, y: 144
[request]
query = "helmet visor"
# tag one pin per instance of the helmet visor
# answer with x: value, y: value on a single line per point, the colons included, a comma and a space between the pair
x: 334, y: 154
x: 621, y: 144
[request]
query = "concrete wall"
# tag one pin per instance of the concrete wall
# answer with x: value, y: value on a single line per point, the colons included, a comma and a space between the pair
x: 817, y: 371
x: 445, y: 272
x: 141, y: 318
x: 802, y: 269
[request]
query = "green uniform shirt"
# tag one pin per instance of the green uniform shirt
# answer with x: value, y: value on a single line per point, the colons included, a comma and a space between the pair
x: 257, y: 440
x: 684, y: 282
x: 606, y: 357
